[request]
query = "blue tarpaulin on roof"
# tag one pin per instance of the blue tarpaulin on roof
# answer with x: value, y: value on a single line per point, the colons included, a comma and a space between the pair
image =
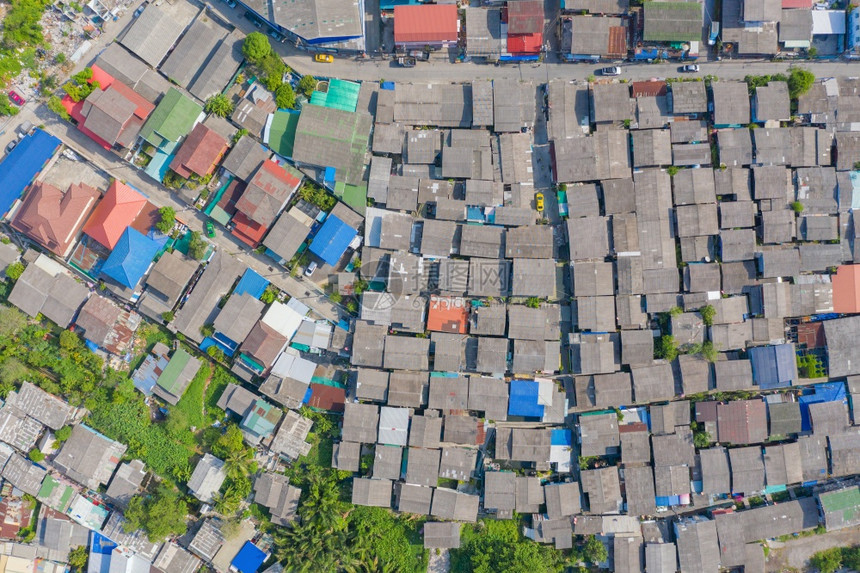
x: 101, y: 544
x: 131, y: 257
x: 773, y: 366
x: 331, y: 241
x: 249, y: 559
x: 22, y: 164
x: 251, y: 283
x: 524, y: 399
x: 827, y: 392
x: 667, y: 501
x: 561, y: 437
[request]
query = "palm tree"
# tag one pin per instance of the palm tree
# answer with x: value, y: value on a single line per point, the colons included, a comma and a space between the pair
x: 238, y: 463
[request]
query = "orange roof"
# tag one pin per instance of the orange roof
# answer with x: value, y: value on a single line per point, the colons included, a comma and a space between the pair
x: 53, y: 218
x: 649, y: 89
x: 118, y: 209
x: 846, y: 289
x: 200, y: 151
x: 448, y: 314
x: 426, y: 23
x: 525, y: 43
x: 247, y: 230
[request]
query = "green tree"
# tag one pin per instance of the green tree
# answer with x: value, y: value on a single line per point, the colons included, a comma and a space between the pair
x: 799, y: 82
x: 285, y: 97
x: 12, y: 372
x: 709, y: 351
x: 708, y: 312
x: 307, y: 85
x: 167, y: 221
x: 15, y: 270
x: 6, y: 107
x: 219, y: 105
x: 207, y: 329
x: 55, y: 104
x: 666, y: 348
x: 167, y: 316
x: 827, y: 561
x: 197, y: 246
x: 12, y: 322
x: 256, y: 47
x: 594, y: 551
x: 36, y: 455
x: 533, y: 302
x: 78, y: 558
x: 60, y: 58
x: 797, y: 207
x: 239, y: 135
x: 269, y: 295
x: 160, y: 515
x: 69, y: 340
x: 701, y: 439
x: 492, y: 546
x: 851, y: 558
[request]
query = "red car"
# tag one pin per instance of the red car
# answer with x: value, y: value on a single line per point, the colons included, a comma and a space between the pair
x: 13, y: 95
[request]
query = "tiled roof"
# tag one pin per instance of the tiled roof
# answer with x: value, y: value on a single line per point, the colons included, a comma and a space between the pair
x: 118, y: 209
x: 200, y: 151
x: 53, y: 218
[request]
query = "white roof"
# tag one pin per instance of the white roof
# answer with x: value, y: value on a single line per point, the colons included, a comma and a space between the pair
x: 290, y: 365
x: 393, y: 426
x: 298, y: 306
x: 828, y: 22
x: 283, y: 318
x: 373, y: 226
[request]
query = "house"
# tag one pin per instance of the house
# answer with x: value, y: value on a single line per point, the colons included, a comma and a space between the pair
x: 371, y: 492
x: 236, y: 319
x: 774, y: 366
x: 747, y: 470
x: 838, y: 333
x: 113, y: 114
x: 200, y: 153
x: 332, y: 240
x: 207, y: 478
x: 771, y: 102
x: 416, y: 26
x: 602, y: 490
x: 202, y: 305
x: 56, y: 297
x: 840, y: 508
x: 88, y: 457
x: 208, y: 539
x: 107, y: 325
x: 784, y: 418
x: 121, y: 207
x: 152, y: 35
x: 170, y: 122
x: 173, y: 558
x: 126, y: 482
x: 263, y: 345
x: 672, y: 22
x: 500, y: 492
x: 440, y: 534
x: 130, y: 259
x: 698, y: 550
x: 422, y: 466
x: 360, y: 423
x: 328, y: 137
x: 524, y: 34
x: 53, y: 218
x: 782, y: 464
x: 595, y: 37
x: 245, y: 158
x: 731, y: 105
x: 274, y: 492
x: 176, y: 376
x: 166, y: 283
x: 742, y: 422
x: 598, y: 434
x: 688, y: 98
x: 450, y: 504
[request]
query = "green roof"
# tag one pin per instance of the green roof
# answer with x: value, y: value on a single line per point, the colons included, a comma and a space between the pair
x: 845, y: 502
x: 171, y: 120
x: 169, y: 379
x: 55, y: 495
x: 341, y: 94
x: 353, y: 195
x: 282, y: 133
x: 262, y: 418
x: 673, y: 22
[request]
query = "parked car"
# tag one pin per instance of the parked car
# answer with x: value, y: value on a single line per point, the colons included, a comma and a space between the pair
x: 311, y: 268
x: 610, y: 71
x: 13, y: 95
x: 323, y: 58
x: 139, y: 11
x: 539, y: 202
x: 11, y: 145
x: 690, y: 69
x: 210, y: 230
x: 406, y: 62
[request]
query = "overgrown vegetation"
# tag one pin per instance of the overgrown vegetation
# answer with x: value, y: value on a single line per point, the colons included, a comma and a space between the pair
x: 708, y: 312
x: 666, y: 348
x: 21, y: 30
x: 271, y: 68
x: 167, y: 221
x: 219, y: 105
x: 81, y: 85
x: 799, y: 81
x: 318, y: 196
x: 307, y: 85
x: 159, y: 515
x: 285, y: 97
x: 810, y: 366
x: 197, y: 246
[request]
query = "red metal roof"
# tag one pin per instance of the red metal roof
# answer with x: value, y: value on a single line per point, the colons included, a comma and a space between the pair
x: 649, y: 89
x: 53, y: 218
x: 426, y: 23
x: 448, y: 314
x: 807, y: 4
x: 525, y: 43
x: 200, y: 152
x: 118, y: 209
x: 846, y: 289
x: 248, y: 231
x: 525, y: 17
x: 325, y: 397
x: 811, y: 335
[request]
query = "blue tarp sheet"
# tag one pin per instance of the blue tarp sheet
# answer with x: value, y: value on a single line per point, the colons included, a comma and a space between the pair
x: 331, y: 241
x: 667, y: 501
x: 249, y: 559
x: 23, y: 164
x: 251, y: 283
x: 207, y: 342
x: 388, y: 86
x: 101, y: 544
x: 524, y: 399
x: 827, y: 392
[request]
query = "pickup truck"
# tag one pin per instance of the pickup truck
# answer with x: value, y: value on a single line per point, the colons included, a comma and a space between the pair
x: 406, y: 62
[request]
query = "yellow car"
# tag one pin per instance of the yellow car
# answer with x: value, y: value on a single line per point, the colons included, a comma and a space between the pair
x: 324, y: 58
x: 539, y: 202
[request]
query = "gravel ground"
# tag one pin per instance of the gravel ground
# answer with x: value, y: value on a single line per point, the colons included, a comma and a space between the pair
x: 794, y: 555
x: 439, y: 563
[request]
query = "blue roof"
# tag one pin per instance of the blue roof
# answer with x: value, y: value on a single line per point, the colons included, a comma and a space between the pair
x: 23, y: 164
x: 561, y: 437
x: 332, y: 239
x: 827, y: 392
x: 101, y: 544
x: 252, y: 284
x: 131, y: 257
x: 773, y: 366
x: 249, y: 558
x: 524, y: 399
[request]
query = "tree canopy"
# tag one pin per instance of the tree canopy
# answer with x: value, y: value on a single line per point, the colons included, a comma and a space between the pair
x: 285, y: 97
x: 167, y: 221
x: 307, y: 85
x: 219, y: 105
x: 160, y: 515
x: 492, y: 545
x: 799, y: 82
x: 256, y: 47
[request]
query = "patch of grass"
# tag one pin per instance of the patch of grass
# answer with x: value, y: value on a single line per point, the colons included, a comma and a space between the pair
x: 220, y: 378
x: 191, y: 404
